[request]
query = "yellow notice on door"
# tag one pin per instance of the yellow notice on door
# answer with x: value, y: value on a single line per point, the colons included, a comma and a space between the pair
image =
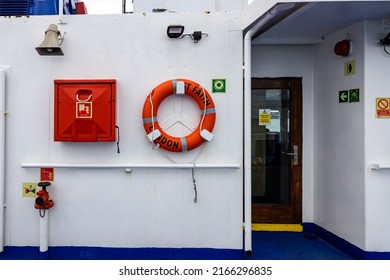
x: 264, y: 116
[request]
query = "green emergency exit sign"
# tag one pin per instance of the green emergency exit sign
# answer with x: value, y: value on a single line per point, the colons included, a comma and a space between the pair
x: 343, y: 96
x: 349, y: 96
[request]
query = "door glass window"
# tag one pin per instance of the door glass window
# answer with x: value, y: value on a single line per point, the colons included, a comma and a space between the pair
x: 271, y: 148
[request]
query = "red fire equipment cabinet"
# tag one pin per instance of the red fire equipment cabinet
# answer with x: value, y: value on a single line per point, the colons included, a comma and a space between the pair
x: 84, y: 110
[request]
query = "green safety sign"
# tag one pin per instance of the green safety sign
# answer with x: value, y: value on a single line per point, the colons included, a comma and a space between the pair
x: 349, y: 96
x: 343, y: 96
x: 354, y: 95
x: 219, y: 85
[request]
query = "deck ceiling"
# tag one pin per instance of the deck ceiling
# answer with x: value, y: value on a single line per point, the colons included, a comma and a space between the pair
x: 316, y: 20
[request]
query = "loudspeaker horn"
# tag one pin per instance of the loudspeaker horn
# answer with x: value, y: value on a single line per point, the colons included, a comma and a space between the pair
x: 50, y: 45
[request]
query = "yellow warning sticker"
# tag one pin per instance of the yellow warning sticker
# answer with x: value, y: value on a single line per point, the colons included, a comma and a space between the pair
x: 29, y: 189
x: 264, y: 116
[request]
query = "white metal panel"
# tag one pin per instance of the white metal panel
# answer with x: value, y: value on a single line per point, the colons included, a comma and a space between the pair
x: 2, y: 157
x: 377, y: 191
x: 339, y: 145
x: 109, y: 207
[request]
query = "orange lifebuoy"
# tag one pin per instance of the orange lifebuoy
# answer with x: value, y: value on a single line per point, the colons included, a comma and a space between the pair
x: 194, y: 139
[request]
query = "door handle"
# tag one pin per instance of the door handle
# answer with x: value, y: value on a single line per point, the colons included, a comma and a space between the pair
x: 295, y: 154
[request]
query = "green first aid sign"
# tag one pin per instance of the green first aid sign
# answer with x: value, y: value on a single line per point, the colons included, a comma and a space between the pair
x: 219, y: 85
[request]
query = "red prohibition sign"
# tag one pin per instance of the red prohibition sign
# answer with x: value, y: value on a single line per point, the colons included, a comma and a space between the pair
x: 383, y: 104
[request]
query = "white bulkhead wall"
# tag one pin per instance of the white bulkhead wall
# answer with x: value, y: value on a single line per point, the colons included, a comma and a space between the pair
x: 140, y: 6
x: 108, y: 207
x: 351, y: 199
x: 341, y: 193
x: 377, y: 191
x: 339, y: 144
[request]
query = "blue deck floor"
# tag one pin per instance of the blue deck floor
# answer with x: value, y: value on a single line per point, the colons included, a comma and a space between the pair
x: 266, y: 245
x: 292, y: 246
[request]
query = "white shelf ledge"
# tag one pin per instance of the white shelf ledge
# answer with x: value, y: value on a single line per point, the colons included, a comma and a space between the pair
x: 128, y: 165
x: 378, y: 166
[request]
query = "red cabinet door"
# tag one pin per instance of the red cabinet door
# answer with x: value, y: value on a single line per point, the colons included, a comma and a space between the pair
x: 84, y: 110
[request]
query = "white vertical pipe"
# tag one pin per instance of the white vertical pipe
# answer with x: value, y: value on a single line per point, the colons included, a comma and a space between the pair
x: 44, y: 234
x: 247, y: 143
x: 2, y: 158
x: 280, y: 7
x: 248, y: 129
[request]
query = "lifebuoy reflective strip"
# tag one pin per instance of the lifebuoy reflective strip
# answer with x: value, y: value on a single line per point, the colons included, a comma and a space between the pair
x: 194, y: 139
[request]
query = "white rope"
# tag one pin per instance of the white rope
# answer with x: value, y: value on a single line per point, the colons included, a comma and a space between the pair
x: 154, y: 147
x: 204, y: 110
x: 82, y: 101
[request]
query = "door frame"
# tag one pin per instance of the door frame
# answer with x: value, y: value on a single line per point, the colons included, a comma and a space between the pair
x: 288, y: 213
